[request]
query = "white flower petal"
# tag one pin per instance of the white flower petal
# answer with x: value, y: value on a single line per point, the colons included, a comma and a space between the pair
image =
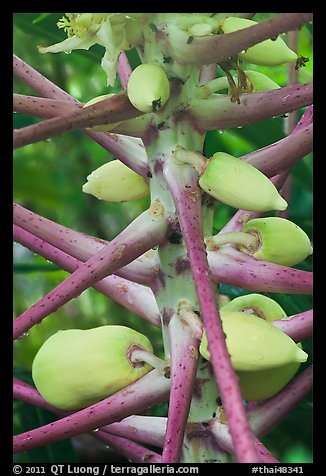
x: 112, y: 38
x: 72, y: 43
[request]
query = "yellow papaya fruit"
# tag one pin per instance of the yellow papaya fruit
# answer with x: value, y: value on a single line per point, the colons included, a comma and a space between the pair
x: 75, y: 368
x: 255, y: 344
x: 148, y: 87
x: 266, y: 383
x: 240, y: 185
x: 258, y: 304
x: 115, y: 182
x: 267, y: 53
x: 279, y: 240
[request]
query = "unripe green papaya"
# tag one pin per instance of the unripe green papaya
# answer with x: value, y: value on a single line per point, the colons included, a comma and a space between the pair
x: 260, y: 82
x: 267, y: 53
x: 102, y: 127
x: 240, y: 185
x: 148, y: 87
x: 266, y: 383
x: 280, y: 241
x: 76, y: 368
x: 258, y: 304
x: 115, y: 182
x: 255, y: 344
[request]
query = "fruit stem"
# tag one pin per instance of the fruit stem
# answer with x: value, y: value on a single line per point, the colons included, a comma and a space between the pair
x: 142, y: 355
x: 188, y: 315
x: 184, y: 156
x: 213, y: 243
x: 212, y: 87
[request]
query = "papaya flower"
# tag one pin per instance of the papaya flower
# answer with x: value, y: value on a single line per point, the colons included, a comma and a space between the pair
x: 87, y: 29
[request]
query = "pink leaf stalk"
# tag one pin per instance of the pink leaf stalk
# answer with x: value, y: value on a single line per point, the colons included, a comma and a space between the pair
x: 230, y: 266
x: 264, y: 454
x: 80, y: 245
x: 135, y: 297
x: 187, y: 197
x: 270, y: 413
x: 39, y: 83
x: 130, y: 150
x: 124, y: 446
x: 215, y: 48
x: 149, y: 390
x: 27, y: 393
x: 144, y: 429
x: 299, y: 326
x: 42, y: 107
x: 124, y: 69
x: 124, y: 148
x: 220, y: 113
x: 239, y: 219
x: 281, y: 155
x: 129, y: 449
x: 146, y: 231
x: 184, y: 358
x: 114, y: 109
x: 306, y: 119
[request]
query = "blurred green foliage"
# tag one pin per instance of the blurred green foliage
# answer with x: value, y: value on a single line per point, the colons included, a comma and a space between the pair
x: 48, y: 177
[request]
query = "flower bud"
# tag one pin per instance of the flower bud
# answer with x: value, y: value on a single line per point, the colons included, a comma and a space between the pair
x: 102, y: 127
x: 76, y: 368
x: 148, y: 87
x: 257, y: 304
x: 267, y: 53
x: 279, y: 241
x: 260, y: 82
x: 115, y: 182
x: 255, y: 344
x: 240, y: 185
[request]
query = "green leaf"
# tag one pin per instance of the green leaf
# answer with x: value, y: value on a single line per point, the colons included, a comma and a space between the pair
x: 31, y: 268
x: 41, y: 17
